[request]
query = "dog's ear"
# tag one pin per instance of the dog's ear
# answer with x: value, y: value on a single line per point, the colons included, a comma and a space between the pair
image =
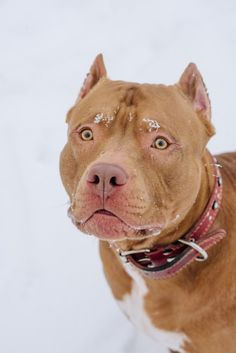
x: 97, y: 71
x: 193, y: 86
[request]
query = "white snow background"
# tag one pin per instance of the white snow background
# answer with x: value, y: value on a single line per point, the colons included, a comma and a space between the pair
x: 53, y: 295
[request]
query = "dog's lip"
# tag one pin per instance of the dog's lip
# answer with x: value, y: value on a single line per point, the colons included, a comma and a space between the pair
x: 147, y: 230
x: 105, y: 212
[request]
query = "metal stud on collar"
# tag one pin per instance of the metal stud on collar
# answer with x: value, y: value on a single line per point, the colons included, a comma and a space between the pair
x: 219, y: 180
x: 215, y: 205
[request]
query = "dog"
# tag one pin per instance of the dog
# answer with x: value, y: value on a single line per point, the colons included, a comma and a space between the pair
x: 140, y: 179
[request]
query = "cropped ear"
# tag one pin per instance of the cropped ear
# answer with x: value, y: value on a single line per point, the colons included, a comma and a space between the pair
x: 192, y: 85
x: 97, y: 71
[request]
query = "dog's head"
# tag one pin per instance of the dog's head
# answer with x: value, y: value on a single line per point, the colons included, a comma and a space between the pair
x: 132, y: 165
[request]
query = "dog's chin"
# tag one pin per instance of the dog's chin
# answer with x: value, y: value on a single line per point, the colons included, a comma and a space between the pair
x: 107, y: 226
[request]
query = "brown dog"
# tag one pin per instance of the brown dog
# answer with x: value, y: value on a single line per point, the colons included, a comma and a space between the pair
x: 139, y: 178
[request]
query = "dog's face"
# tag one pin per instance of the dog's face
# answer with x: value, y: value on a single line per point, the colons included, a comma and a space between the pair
x: 132, y: 164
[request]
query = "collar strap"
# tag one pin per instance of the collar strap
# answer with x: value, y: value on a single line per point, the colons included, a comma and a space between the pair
x: 164, y: 261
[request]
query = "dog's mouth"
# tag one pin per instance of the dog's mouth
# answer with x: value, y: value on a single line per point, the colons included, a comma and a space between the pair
x: 106, y: 225
x: 103, y: 211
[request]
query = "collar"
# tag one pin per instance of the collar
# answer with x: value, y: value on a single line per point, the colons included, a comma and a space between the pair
x: 164, y: 261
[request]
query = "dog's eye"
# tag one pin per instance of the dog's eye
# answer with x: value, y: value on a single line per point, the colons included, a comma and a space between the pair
x: 86, y: 135
x: 160, y: 143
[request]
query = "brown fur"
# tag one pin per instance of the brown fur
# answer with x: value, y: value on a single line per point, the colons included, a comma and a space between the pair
x: 199, y: 301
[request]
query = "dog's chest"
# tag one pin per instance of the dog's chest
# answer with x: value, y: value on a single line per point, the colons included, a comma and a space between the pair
x: 132, y: 305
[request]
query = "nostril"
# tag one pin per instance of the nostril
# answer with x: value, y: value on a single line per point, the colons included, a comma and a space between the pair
x: 96, y: 179
x: 93, y: 179
x: 113, y: 181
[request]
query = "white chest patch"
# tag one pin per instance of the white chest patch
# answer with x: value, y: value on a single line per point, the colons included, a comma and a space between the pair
x: 132, y: 306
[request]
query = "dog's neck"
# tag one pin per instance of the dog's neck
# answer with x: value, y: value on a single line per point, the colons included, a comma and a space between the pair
x: 170, y: 234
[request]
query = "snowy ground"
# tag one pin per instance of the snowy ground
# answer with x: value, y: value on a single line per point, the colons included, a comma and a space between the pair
x: 52, y: 298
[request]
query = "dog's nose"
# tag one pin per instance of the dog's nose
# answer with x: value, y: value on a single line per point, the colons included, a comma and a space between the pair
x: 104, y: 178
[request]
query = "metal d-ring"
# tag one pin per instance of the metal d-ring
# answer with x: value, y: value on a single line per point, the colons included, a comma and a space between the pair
x: 203, y: 254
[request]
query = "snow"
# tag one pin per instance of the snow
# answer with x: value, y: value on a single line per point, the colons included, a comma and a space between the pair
x: 151, y: 124
x: 106, y: 119
x: 53, y: 294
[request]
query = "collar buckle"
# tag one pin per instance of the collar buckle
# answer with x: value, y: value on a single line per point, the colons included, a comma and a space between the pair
x: 125, y: 253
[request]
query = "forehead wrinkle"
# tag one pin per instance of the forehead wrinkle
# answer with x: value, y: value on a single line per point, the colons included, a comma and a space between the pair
x: 127, y: 108
x: 121, y: 119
